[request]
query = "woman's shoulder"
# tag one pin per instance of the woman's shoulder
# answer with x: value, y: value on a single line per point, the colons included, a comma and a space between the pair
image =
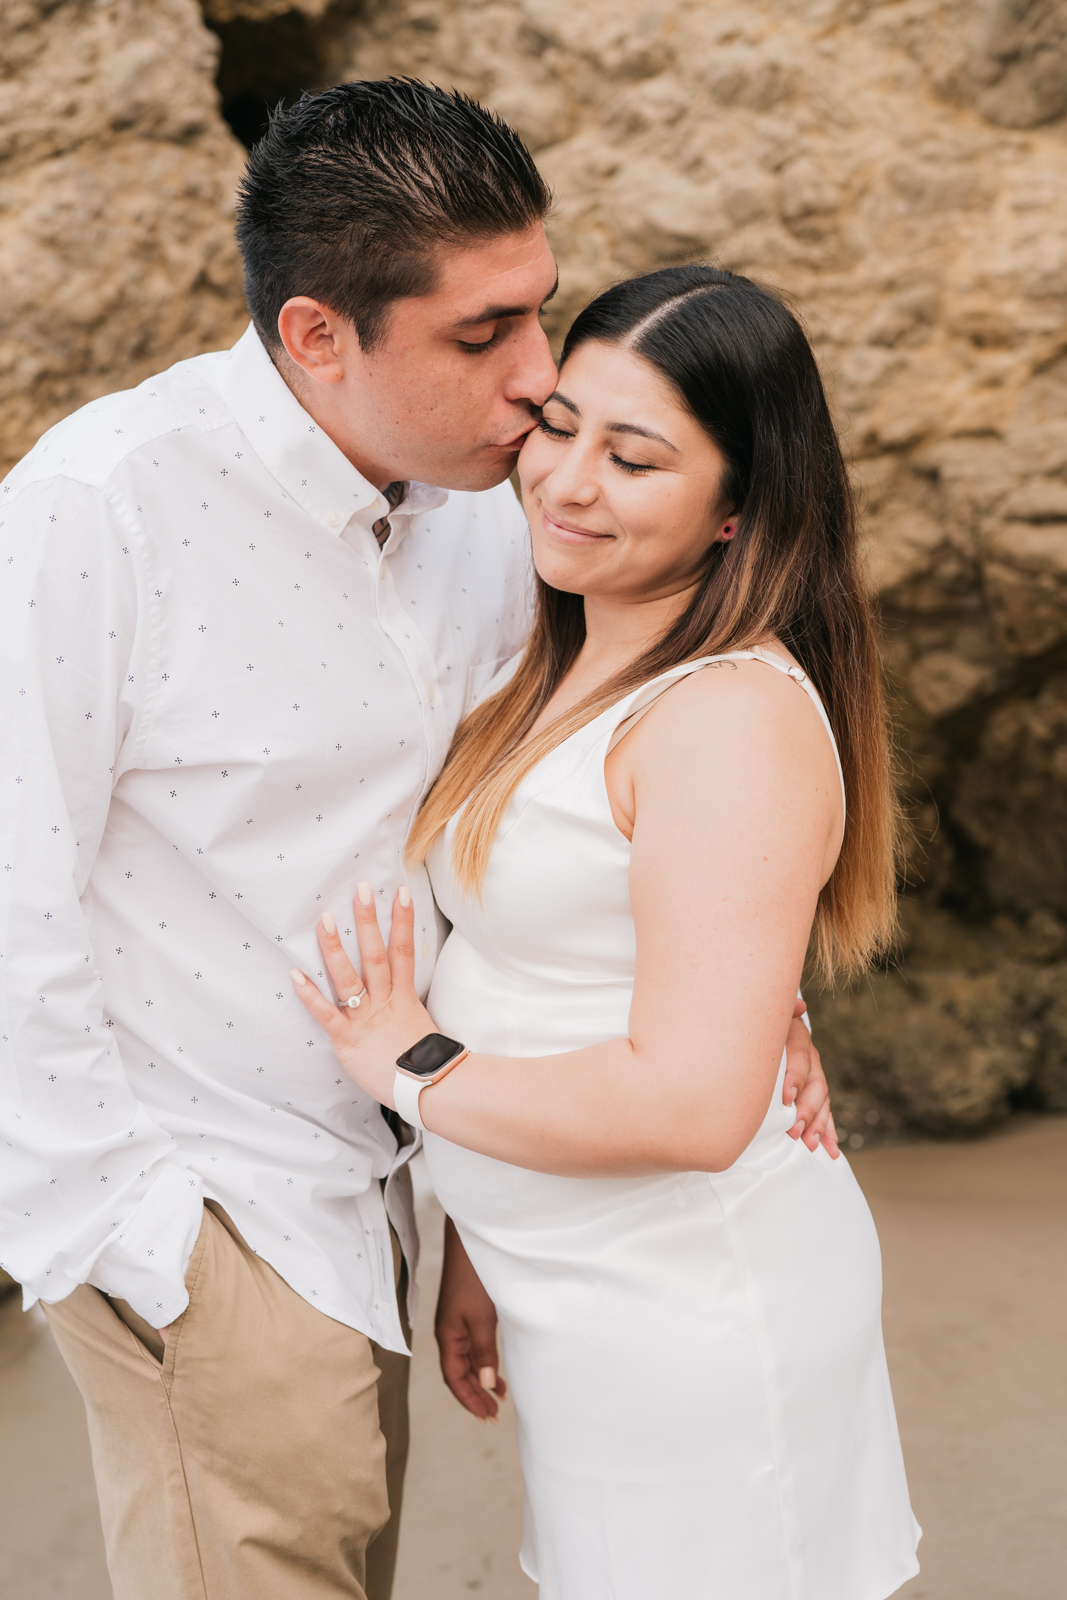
x: 731, y: 716
x: 726, y: 696
x: 762, y: 682
x: 728, y: 739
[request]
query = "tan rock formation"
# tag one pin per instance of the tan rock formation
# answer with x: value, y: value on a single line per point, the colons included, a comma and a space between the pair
x: 898, y: 166
x: 116, y: 184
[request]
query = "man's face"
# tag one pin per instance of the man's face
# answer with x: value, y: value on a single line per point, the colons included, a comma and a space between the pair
x: 456, y: 382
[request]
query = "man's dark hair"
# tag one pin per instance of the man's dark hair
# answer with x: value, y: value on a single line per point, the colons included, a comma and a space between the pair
x: 350, y: 194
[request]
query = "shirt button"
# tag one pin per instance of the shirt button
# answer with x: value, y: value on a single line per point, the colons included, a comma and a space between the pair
x: 425, y: 950
x: 334, y: 520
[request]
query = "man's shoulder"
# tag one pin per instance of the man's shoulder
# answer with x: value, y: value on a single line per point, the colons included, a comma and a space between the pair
x: 480, y: 553
x: 93, y: 443
x: 479, y: 531
x: 492, y: 516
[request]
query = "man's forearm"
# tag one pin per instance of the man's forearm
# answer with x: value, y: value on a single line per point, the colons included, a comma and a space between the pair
x: 89, y: 1190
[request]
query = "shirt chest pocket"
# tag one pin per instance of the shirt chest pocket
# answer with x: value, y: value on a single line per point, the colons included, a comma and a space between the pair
x: 478, y: 680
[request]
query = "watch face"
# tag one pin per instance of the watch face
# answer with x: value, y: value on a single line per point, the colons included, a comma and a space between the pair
x: 430, y: 1054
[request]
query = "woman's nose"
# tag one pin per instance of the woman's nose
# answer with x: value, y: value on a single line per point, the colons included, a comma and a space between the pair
x: 573, y: 479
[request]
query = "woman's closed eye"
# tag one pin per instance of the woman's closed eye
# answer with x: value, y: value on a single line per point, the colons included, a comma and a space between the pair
x: 552, y: 432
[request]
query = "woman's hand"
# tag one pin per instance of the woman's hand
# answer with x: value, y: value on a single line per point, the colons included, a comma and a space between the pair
x: 465, y: 1330
x: 806, y: 1087
x: 390, y: 1017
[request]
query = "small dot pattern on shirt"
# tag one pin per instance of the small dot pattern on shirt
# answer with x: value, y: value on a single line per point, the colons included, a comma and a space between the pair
x: 234, y: 699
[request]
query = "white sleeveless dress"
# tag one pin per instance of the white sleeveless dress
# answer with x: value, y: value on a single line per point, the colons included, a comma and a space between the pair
x: 696, y: 1359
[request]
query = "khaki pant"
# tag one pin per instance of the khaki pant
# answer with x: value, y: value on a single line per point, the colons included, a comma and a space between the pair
x: 257, y: 1456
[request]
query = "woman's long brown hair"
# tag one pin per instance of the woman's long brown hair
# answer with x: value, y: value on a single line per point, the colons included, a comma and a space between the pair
x: 741, y: 364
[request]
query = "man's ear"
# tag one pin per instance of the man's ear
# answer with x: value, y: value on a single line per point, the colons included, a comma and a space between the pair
x: 315, y: 338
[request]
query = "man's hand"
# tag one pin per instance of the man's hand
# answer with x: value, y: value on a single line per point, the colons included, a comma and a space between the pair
x: 806, y: 1087
x: 465, y: 1328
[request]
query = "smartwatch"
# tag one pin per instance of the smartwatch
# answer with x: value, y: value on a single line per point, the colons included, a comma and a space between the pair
x: 424, y: 1064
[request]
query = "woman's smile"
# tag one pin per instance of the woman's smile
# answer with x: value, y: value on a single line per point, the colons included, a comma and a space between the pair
x: 569, y: 532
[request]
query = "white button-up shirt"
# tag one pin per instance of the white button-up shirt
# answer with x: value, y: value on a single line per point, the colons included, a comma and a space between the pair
x: 222, y: 705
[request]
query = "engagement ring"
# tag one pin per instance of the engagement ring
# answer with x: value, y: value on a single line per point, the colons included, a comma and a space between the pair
x: 352, y: 1002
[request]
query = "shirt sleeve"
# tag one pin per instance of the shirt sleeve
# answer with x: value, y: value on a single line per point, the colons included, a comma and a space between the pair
x: 91, y: 1190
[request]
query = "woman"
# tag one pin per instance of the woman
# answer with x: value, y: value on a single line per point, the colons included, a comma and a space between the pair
x: 636, y: 837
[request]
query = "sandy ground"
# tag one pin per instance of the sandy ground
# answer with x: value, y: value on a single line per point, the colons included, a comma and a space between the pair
x: 974, y: 1238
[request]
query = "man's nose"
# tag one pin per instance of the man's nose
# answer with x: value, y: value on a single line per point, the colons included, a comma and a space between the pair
x: 534, y: 375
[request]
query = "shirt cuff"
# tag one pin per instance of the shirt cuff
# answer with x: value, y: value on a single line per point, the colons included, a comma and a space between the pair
x: 144, y: 1263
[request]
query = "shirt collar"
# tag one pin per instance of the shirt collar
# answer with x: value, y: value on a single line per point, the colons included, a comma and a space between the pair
x: 301, y: 455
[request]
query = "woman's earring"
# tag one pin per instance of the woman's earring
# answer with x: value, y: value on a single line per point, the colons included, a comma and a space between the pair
x: 727, y: 532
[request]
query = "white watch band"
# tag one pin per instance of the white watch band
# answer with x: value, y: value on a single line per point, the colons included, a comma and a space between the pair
x: 406, y: 1093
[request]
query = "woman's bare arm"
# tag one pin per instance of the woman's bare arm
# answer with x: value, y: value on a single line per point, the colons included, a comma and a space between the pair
x: 736, y: 820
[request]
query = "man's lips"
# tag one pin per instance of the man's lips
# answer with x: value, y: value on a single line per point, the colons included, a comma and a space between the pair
x: 569, y: 532
x: 519, y: 440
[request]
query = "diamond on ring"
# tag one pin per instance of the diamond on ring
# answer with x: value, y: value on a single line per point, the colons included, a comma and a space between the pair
x: 353, y: 1001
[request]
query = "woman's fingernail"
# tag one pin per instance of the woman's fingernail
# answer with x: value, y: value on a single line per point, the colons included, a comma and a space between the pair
x: 793, y: 1094
x: 493, y: 1420
x: 798, y: 1128
x: 404, y: 895
x: 298, y: 978
x: 487, y: 1377
x: 328, y: 923
x: 363, y: 892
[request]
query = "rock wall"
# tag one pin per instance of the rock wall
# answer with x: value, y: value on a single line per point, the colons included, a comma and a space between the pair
x: 898, y: 166
x: 116, y: 183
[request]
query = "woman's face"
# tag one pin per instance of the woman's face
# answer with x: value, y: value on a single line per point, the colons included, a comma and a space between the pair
x: 620, y: 484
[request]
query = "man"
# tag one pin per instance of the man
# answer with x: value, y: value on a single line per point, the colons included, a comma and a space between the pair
x: 246, y: 605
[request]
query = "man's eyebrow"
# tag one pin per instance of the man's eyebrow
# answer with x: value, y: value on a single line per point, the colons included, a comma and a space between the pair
x: 498, y: 313
x: 613, y: 427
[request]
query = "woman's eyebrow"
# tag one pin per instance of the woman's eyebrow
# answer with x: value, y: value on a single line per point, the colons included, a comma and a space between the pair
x: 614, y: 427
x: 644, y: 433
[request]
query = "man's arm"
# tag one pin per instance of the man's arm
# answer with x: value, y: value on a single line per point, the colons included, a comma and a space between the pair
x: 465, y: 1329
x: 806, y: 1086
x: 89, y: 1190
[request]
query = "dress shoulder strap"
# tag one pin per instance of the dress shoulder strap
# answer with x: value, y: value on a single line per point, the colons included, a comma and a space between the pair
x: 800, y: 677
x: 632, y: 708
